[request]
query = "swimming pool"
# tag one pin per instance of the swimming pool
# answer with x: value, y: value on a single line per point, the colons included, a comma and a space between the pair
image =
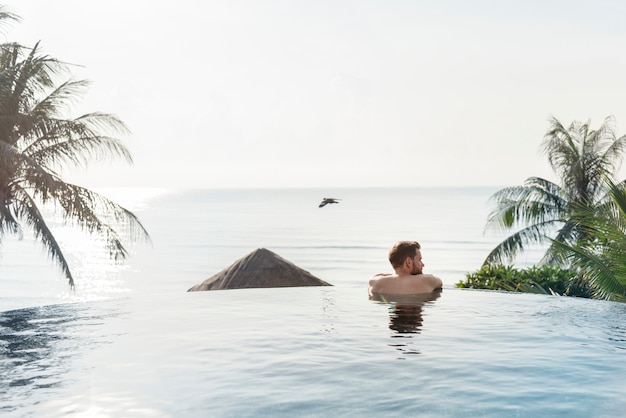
x: 315, y: 352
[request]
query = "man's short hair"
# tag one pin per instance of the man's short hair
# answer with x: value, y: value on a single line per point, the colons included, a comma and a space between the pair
x: 401, y: 250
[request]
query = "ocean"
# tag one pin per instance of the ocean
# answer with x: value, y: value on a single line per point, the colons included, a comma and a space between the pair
x: 196, y: 233
x: 131, y: 341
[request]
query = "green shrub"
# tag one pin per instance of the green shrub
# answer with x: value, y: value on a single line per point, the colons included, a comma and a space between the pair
x: 544, y: 279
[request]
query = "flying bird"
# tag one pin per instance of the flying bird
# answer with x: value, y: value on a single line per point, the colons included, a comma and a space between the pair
x: 328, y: 200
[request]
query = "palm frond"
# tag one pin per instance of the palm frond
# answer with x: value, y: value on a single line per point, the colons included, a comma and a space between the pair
x: 8, y: 223
x: 58, y: 100
x: 569, y: 232
x: 596, y: 269
x: 86, y: 209
x: 6, y: 18
x: 560, y: 146
x: 537, y: 201
x: 26, y: 208
x: 516, y: 242
x: 78, y: 141
x: 613, y: 147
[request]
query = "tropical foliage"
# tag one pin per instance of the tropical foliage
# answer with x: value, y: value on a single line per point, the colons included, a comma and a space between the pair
x: 543, y: 212
x: 38, y: 141
x: 545, y: 280
x: 601, y: 257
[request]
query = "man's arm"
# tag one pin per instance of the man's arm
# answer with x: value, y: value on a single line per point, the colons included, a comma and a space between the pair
x: 437, y: 283
x: 375, y: 277
x: 374, y: 280
x: 434, y: 281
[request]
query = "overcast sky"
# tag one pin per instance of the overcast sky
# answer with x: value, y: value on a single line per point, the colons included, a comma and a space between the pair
x: 273, y: 93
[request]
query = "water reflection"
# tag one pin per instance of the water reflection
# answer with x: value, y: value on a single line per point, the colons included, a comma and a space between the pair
x: 329, y: 310
x: 38, y: 345
x: 616, y: 329
x: 405, y: 317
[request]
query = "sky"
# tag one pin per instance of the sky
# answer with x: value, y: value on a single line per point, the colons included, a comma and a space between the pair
x: 363, y: 93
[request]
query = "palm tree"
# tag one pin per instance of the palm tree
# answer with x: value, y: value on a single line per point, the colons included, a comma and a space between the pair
x: 37, y: 142
x: 6, y: 16
x: 542, y: 210
x: 601, y: 257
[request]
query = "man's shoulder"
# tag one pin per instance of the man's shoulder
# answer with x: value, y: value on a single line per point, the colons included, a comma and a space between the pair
x: 379, y: 276
x: 434, y: 280
x: 425, y: 276
x: 383, y: 275
x: 379, y: 279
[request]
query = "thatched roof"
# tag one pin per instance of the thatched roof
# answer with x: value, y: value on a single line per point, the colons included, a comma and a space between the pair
x: 260, y: 268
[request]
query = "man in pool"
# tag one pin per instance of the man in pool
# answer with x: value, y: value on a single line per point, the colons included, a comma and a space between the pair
x: 406, y: 259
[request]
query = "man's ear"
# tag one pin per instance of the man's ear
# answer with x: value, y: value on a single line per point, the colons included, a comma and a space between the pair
x: 407, y: 262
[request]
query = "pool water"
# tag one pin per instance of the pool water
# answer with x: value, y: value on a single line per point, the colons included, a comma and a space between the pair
x: 322, y: 351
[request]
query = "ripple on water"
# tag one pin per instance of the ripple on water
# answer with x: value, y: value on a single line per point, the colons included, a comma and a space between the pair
x: 315, y: 352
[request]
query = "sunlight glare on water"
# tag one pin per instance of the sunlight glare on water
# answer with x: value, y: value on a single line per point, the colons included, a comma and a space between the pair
x: 31, y: 278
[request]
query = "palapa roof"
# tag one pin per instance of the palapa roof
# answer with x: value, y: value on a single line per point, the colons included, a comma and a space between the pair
x: 260, y: 268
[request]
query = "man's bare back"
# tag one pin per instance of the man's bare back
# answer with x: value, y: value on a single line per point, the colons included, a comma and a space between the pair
x: 393, y: 284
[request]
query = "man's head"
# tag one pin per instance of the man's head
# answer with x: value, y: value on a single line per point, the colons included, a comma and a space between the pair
x: 402, y: 250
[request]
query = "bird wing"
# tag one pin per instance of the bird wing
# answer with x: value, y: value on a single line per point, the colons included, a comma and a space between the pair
x: 328, y: 200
